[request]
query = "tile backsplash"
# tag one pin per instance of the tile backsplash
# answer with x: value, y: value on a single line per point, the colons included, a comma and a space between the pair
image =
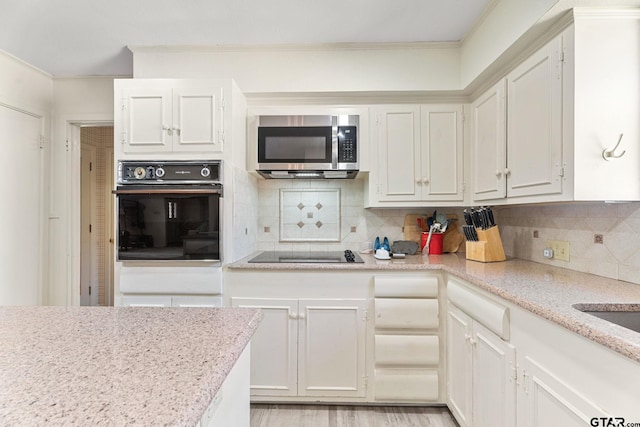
x: 358, y: 226
x: 618, y: 257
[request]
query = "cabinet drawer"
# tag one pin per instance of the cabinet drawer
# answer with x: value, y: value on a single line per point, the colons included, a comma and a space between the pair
x: 397, y: 313
x: 406, y: 287
x: 491, y: 314
x: 407, y: 350
x: 406, y: 385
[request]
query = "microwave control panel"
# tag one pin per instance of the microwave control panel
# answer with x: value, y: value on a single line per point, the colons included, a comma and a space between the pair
x: 347, y: 151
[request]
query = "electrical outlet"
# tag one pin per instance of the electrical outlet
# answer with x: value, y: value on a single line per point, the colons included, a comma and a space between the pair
x: 560, y: 249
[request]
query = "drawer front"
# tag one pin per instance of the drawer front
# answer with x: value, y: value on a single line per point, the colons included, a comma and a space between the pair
x: 398, y: 313
x: 406, y: 287
x: 407, y: 350
x: 491, y: 314
x: 406, y: 385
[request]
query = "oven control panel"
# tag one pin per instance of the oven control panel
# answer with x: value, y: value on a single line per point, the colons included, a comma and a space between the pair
x: 170, y: 172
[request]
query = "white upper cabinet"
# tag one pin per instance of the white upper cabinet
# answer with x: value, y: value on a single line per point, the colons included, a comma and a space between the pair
x: 517, y: 139
x: 489, y: 144
x: 567, y: 106
x: 169, y: 116
x: 419, y: 156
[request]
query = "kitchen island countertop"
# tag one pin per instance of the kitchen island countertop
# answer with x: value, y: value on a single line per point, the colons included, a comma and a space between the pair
x: 548, y: 291
x: 116, y: 365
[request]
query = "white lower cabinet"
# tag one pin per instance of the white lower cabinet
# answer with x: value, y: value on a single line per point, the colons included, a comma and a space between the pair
x: 555, y: 378
x: 481, y: 373
x: 308, y: 347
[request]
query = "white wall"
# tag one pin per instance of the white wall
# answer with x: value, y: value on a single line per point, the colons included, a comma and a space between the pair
x: 25, y: 91
x: 87, y: 100
x: 332, y: 68
x: 507, y: 21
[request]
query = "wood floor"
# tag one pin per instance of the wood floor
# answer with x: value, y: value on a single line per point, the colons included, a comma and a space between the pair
x: 349, y: 416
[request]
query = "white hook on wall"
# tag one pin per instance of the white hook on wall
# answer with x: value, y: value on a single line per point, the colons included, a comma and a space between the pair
x: 609, y: 154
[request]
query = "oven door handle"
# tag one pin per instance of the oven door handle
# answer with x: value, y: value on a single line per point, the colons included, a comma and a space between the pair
x: 168, y: 191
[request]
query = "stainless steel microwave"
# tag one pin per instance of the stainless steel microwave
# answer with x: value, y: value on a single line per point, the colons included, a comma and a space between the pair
x: 308, y: 146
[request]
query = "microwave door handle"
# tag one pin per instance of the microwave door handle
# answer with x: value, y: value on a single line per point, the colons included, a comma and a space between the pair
x: 175, y: 210
x: 169, y: 209
x: 334, y: 143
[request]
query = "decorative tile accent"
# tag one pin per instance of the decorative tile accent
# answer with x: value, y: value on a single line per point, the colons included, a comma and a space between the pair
x: 299, y: 207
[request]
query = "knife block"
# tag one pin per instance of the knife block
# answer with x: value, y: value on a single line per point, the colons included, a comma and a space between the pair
x: 488, y: 248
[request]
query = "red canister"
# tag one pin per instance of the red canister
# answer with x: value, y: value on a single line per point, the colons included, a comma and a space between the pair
x: 435, y: 245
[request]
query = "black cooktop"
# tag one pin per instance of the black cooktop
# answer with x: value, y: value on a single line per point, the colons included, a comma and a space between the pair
x: 307, y: 257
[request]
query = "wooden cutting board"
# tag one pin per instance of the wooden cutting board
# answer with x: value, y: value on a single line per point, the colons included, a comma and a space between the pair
x: 411, y: 230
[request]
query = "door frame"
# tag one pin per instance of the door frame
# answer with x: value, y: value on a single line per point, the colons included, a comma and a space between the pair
x: 71, y: 134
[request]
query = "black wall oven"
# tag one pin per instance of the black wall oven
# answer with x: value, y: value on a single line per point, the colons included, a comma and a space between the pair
x: 168, y: 210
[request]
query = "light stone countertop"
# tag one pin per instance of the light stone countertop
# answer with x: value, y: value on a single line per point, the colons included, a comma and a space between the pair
x: 541, y: 289
x: 116, y: 365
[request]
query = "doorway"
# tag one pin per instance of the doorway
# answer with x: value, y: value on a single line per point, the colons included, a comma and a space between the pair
x: 96, y: 215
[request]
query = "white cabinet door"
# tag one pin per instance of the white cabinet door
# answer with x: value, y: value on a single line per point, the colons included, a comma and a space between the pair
x: 534, y: 124
x: 331, y: 350
x: 147, y: 117
x: 420, y: 154
x: 165, y: 119
x: 196, y: 117
x: 273, y: 346
x: 481, y: 371
x: 441, y: 152
x: 489, y: 144
x: 459, y: 366
x: 494, y: 380
x: 399, y: 160
x: 545, y: 400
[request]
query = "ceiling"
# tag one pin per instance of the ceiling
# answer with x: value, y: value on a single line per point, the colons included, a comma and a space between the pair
x: 84, y: 37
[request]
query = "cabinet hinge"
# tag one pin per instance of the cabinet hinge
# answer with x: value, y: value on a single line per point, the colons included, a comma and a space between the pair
x: 561, y: 173
x: 561, y: 54
x: 463, y: 117
x: 123, y: 105
x: 41, y: 141
x: 366, y: 381
x: 365, y: 315
x: 90, y: 170
x: 123, y: 138
x: 463, y: 188
x: 514, y: 373
x: 377, y: 188
x: 66, y: 144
